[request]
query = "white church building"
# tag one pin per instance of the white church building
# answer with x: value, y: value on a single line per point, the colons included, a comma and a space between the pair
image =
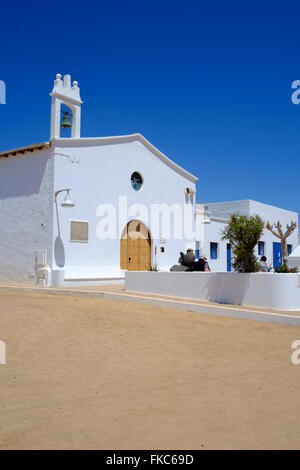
x: 84, y: 210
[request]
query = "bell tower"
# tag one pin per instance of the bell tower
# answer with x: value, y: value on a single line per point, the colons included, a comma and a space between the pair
x: 64, y: 93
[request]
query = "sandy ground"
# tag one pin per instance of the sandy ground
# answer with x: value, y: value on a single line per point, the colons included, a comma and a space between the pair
x: 93, y: 373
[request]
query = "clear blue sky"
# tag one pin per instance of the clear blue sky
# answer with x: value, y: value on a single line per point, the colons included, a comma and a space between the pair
x: 208, y: 83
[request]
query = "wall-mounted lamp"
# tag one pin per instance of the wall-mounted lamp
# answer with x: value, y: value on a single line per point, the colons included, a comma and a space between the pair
x: 206, y: 219
x: 67, y: 202
x: 189, y: 191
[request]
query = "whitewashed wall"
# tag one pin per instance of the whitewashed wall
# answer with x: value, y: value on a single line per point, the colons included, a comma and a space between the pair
x: 212, y: 233
x: 102, y: 175
x: 26, y: 204
x: 276, y: 291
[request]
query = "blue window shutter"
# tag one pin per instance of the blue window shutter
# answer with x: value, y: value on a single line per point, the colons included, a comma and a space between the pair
x: 261, y: 248
x: 228, y: 257
x: 213, y: 250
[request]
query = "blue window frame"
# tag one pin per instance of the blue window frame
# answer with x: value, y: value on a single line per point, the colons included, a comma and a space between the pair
x: 213, y: 250
x: 261, y: 248
x: 289, y: 249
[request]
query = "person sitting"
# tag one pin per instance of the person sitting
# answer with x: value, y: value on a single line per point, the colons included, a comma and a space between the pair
x: 201, y: 264
x: 187, y: 259
x: 262, y: 265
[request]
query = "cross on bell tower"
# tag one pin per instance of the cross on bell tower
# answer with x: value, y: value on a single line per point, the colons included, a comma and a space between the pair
x: 64, y: 93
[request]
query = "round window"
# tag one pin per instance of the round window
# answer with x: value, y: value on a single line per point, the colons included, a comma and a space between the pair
x: 136, y: 181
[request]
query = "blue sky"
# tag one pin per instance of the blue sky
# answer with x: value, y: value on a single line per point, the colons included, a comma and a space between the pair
x: 208, y: 83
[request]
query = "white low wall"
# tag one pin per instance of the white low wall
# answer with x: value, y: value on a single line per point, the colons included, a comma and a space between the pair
x: 276, y: 291
x: 73, y: 278
x: 294, y: 262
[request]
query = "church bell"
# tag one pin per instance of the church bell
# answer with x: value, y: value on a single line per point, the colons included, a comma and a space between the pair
x: 66, y: 120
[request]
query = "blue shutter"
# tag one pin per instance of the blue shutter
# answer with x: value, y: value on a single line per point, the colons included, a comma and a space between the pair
x: 261, y: 248
x: 277, y: 256
x: 213, y: 250
x: 228, y: 257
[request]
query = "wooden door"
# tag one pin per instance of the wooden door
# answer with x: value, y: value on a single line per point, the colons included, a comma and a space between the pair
x: 135, y: 247
x: 133, y: 254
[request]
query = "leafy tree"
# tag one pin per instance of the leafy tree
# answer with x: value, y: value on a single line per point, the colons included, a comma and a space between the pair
x: 243, y: 233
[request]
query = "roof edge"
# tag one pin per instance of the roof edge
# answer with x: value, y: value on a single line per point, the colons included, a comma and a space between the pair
x: 119, y: 138
x: 129, y: 138
x: 26, y: 148
x: 250, y: 201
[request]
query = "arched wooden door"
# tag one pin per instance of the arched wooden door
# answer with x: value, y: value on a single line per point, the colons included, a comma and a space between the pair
x: 135, y: 248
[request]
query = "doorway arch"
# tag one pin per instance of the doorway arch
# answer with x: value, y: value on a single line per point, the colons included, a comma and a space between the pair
x: 135, y: 247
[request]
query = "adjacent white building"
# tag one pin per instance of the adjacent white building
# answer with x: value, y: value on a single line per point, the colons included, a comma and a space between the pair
x: 218, y: 252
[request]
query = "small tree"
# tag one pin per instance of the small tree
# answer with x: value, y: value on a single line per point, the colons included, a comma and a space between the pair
x: 282, y: 236
x: 243, y: 232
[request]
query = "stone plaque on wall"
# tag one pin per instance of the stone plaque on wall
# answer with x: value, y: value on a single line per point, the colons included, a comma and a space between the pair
x: 79, y: 231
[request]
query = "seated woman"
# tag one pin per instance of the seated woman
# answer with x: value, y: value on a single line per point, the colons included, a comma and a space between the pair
x: 262, y: 265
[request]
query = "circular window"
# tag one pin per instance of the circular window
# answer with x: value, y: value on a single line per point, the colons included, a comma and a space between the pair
x: 136, y: 181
